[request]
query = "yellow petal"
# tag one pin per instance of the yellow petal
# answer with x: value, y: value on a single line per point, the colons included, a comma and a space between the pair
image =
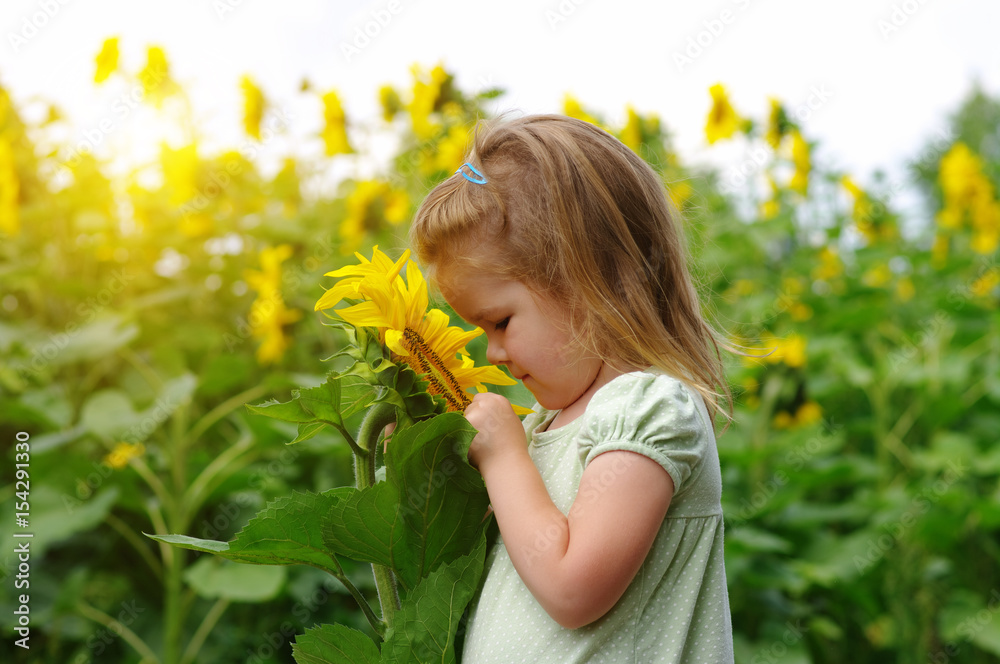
x: 364, y: 314
x: 416, y: 292
x: 472, y: 375
x: 394, y: 340
x: 107, y: 60
x: 447, y: 341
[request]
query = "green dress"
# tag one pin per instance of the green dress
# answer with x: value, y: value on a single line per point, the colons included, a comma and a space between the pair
x: 677, y: 607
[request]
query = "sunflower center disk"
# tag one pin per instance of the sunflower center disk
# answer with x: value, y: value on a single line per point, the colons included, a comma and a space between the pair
x: 425, y: 361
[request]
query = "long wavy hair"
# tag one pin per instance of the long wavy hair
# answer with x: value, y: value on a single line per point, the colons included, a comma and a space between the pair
x: 576, y: 216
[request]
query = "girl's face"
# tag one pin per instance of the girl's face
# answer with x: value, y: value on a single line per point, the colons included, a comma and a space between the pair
x: 528, y: 334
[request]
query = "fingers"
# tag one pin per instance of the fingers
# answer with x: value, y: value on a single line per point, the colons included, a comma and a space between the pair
x: 488, y: 411
x: 499, y: 428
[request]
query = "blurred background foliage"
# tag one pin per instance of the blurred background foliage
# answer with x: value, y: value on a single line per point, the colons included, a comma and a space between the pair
x: 141, y: 311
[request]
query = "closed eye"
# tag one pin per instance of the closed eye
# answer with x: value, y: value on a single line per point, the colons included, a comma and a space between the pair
x: 501, y: 325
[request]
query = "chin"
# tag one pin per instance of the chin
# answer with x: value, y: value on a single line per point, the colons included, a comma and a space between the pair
x: 549, y: 403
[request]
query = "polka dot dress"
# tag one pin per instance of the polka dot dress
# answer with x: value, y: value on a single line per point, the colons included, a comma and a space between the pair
x: 677, y: 607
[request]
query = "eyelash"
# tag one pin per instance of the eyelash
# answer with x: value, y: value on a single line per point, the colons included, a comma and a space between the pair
x: 502, y: 325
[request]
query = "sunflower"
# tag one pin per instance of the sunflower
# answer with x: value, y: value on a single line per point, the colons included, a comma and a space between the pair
x: 723, y: 120
x: 107, y: 60
x: 268, y: 314
x: 335, y: 126
x: 778, y: 124
x: 254, y: 105
x: 803, y: 163
x: 419, y: 337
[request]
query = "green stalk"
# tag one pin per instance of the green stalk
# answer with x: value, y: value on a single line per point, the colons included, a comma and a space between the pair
x: 762, y: 426
x: 377, y: 625
x: 378, y: 417
x: 173, y: 610
x: 223, y: 409
x: 178, y: 523
x: 137, y: 543
x: 211, y: 618
x: 130, y: 637
x: 223, y: 465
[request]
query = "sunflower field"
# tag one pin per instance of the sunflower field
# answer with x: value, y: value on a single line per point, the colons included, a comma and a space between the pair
x: 143, y: 311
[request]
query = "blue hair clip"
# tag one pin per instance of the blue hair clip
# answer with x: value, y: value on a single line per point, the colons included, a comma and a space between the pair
x: 481, y: 179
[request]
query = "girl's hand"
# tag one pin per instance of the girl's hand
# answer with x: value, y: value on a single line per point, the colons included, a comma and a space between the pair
x: 500, y: 429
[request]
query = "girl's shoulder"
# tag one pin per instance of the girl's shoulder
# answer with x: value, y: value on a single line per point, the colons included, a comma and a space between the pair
x: 652, y: 413
x: 651, y: 387
x: 634, y: 404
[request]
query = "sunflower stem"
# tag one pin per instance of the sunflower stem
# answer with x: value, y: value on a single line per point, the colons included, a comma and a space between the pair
x: 376, y: 419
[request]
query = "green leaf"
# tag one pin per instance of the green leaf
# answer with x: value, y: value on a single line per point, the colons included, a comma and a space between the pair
x: 334, y: 644
x: 364, y: 526
x: 967, y: 616
x: 286, y: 532
x: 193, y: 543
x: 416, y: 401
x: 336, y: 399
x: 831, y: 560
x: 753, y: 539
x: 176, y: 392
x: 289, y: 411
x: 341, y: 396
x: 108, y: 413
x: 429, y: 617
x: 211, y: 577
x: 369, y: 380
x: 492, y: 93
x: 428, y: 511
x: 307, y: 430
x: 97, y: 339
x: 57, y: 515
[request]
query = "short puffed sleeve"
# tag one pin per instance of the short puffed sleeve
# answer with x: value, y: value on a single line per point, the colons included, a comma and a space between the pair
x: 652, y: 414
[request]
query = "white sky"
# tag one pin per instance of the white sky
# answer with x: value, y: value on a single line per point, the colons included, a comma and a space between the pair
x: 887, y: 92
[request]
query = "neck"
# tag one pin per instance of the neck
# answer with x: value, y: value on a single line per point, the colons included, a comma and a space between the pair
x: 604, y: 376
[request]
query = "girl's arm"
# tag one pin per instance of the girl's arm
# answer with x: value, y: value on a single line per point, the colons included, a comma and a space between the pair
x: 576, y: 566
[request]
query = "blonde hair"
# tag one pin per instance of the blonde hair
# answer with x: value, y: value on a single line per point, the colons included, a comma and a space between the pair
x: 575, y: 215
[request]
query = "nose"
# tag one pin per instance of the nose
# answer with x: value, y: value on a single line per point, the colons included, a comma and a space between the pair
x: 495, y: 351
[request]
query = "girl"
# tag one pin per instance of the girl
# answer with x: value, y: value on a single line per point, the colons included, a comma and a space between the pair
x: 558, y: 240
